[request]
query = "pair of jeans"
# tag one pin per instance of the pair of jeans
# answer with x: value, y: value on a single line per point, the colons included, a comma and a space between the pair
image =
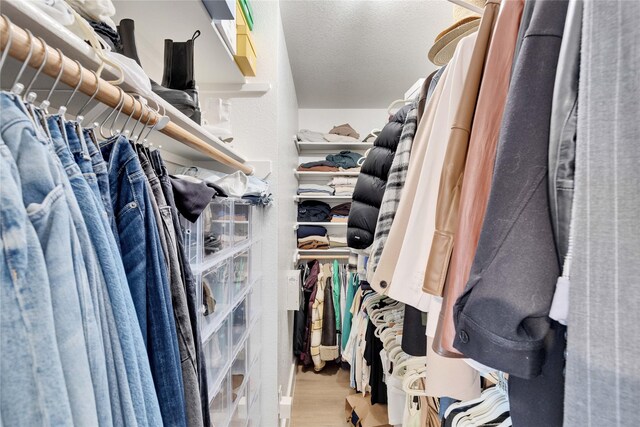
x: 122, y: 407
x: 88, y: 226
x: 44, y: 195
x: 146, y: 273
x: 188, y: 281
x: 33, y: 388
x: 100, y: 169
x: 178, y: 297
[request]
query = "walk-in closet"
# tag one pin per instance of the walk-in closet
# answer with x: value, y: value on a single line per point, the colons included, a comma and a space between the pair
x: 319, y: 213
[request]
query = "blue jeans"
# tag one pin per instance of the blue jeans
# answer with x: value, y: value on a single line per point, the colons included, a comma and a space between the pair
x: 33, y: 388
x: 135, y: 384
x: 119, y: 408
x: 147, y: 274
x: 44, y: 197
x: 100, y: 169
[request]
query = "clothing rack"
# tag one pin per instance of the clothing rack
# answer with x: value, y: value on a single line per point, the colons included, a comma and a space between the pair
x: 106, y: 93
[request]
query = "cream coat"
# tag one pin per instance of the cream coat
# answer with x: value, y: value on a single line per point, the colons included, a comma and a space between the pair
x: 402, y: 266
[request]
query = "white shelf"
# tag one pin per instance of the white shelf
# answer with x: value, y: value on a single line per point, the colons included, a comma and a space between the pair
x: 177, y: 20
x: 330, y: 147
x: 302, y: 197
x: 330, y: 251
x: 321, y: 224
x: 26, y: 15
x: 314, y: 174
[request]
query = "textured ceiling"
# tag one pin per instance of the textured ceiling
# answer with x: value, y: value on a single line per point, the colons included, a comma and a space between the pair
x: 360, y: 54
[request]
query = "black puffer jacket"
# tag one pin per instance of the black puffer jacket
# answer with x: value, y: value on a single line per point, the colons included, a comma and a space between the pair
x: 367, y: 195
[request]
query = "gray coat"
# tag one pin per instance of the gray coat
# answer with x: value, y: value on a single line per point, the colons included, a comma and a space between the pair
x: 502, y: 316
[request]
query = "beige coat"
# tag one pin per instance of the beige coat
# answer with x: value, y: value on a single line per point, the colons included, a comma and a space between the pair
x: 403, y: 263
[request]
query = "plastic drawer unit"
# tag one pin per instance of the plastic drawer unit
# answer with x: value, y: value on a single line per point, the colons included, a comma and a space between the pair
x: 215, y: 294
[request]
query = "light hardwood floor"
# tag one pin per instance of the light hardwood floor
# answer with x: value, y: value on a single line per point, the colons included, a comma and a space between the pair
x: 319, y: 397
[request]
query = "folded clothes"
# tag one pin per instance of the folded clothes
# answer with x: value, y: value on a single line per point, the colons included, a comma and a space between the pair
x: 345, y: 130
x: 343, y: 180
x: 310, y: 230
x: 315, y: 194
x: 345, y: 159
x: 350, y: 169
x: 339, y: 218
x: 306, y: 135
x: 313, y: 211
x: 341, y: 210
x: 318, y: 163
x: 318, y: 169
x: 191, y: 197
x: 314, y: 188
x: 337, y: 242
x: 343, y: 190
x: 329, y: 137
x: 313, y: 242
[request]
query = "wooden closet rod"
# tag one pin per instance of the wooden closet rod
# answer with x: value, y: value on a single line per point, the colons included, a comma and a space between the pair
x: 107, y: 94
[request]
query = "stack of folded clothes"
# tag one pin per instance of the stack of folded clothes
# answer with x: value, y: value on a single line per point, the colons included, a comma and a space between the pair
x: 337, y: 241
x: 342, y: 161
x: 312, y: 237
x: 340, y: 213
x: 341, y: 133
x: 343, y: 186
x: 315, y: 190
x: 314, y: 211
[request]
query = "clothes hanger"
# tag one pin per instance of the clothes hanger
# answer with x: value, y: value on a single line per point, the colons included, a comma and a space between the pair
x: 18, y: 87
x: 31, y: 96
x: 44, y: 105
x: 106, y: 119
x: 63, y: 108
x: 79, y: 116
x: 7, y: 48
x: 124, y: 131
x: 143, y: 105
x: 113, y: 132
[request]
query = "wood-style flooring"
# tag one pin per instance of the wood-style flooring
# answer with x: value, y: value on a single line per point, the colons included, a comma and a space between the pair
x: 319, y: 397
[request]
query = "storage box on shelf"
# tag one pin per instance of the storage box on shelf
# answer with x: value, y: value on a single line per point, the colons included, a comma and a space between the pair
x: 254, y: 412
x: 217, y: 349
x: 220, y: 406
x: 239, y: 324
x: 215, y: 298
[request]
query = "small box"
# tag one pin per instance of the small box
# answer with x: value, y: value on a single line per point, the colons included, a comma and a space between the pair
x: 217, y: 351
x: 239, y: 324
x: 240, y: 276
x: 215, y: 296
x: 220, y: 406
x: 246, y: 57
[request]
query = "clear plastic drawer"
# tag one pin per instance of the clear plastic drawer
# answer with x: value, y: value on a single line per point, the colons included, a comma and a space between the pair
x: 255, y: 262
x: 240, y: 274
x: 241, y: 414
x: 254, y: 343
x: 239, y: 324
x: 253, y: 385
x: 217, y: 226
x: 220, y: 406
x: 242, y: 222
x: 255, y: 302
x: 215, y: 296
x: 238, y: 373
x: 217, y: 352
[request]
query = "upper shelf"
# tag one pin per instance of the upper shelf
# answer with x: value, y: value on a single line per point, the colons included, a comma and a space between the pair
x: 313, y: 174
x: 332, y: 146
x: 26, y: 15
x: 178, y: 20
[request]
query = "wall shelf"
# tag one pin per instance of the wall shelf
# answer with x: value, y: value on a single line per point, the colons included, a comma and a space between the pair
x: 303, y: 146
x: 321, y: 224
x: 313, y: 174
x: 301, y: 197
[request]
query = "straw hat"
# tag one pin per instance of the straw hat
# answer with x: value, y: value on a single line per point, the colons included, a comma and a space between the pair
x: 465, y: 22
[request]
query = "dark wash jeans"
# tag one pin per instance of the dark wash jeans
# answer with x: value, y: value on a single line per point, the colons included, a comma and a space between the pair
x: 146, y: 271
x: 188, y: 280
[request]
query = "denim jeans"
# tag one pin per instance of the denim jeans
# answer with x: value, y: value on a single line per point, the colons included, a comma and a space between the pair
x: 178, y: 297
x: 146, y: 272
x: 44, y: 197
x: 188, y: 281
x: 33, y: 388
x: 100, y: 169
x: 91, y: 238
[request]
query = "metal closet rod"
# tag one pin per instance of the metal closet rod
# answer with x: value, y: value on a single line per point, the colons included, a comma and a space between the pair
x: 107, y: 93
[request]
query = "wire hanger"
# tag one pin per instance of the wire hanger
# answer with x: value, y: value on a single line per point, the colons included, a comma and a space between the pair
x: 79, y: 116
x: 63, y: 108
x: 18, y: 87
x: 44, y: 105
x: 113, y: 132
x: 7, y: 48
x: 31, y: 96
x: 108, y: 116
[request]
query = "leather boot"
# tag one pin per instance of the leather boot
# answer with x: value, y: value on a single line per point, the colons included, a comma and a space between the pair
x: 178, y: 98
x: 179, y: 69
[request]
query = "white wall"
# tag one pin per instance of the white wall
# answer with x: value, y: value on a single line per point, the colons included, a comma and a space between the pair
x: 362, y: 120
x: 262, y: 128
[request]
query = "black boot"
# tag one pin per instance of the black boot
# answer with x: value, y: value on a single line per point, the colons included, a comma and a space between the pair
x: 178, y: 98
x: 179, y: 70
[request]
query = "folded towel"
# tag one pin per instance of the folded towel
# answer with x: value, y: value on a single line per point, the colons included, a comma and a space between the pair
x: 343, y: 180
x: 329, y: 137
x: 315, y: 188
x: 337, y: 242
x: 313, y: 242
x: 307, y: 135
